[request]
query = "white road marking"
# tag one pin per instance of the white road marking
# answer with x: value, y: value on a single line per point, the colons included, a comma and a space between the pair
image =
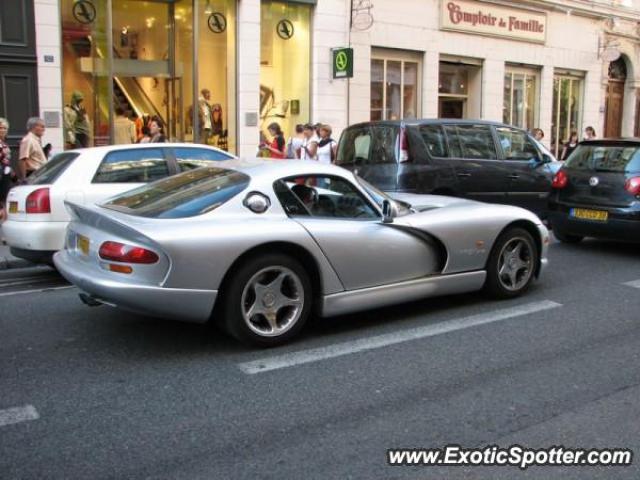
x: 360, y: 345
x: 634, y: 284
x: 13, y: 415
x: 19, y: 292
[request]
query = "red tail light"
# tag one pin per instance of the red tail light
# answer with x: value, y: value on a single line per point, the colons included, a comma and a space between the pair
x: 38, y: 201
x: 560, y: 180
x: 119, y: 252
x: 632, y: 185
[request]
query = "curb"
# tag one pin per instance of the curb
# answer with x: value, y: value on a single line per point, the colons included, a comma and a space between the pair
x: 12, y: 262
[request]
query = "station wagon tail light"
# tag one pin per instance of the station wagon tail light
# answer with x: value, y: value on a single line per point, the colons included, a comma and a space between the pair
x: 632, y: 185
x: 120, y: 252
x: 38, y: 201
x: 560, y: 180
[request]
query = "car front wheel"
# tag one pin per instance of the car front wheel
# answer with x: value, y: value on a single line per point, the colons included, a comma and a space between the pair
x: 268, y: 300
x: 512, y: 264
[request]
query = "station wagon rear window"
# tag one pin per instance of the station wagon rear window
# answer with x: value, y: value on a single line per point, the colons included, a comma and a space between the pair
x: 606, y: 158
x: 187, y: 194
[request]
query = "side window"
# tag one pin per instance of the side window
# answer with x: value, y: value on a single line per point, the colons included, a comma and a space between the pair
x: 290, y: 202
x: 455, y: 150
x: 477, y: 142
x: 190, y: 158
x: 140, y: 165
x: 355, y: 146
x: 516, y: 145
x: 325, y: 197
x: 434, y: 139
x: 384, y: 144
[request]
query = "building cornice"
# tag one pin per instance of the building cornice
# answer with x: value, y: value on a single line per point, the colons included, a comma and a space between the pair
x: 582, y: 8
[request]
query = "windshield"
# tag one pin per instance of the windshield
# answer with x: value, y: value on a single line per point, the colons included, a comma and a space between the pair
x: 605, y: 158
x: 375, y: 194
x: 184, y: 195
x: 378, y: 196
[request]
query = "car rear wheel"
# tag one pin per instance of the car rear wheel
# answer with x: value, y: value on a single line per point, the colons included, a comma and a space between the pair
x: 268, y: 300
x: 512, y: 264
x: 565, y: 237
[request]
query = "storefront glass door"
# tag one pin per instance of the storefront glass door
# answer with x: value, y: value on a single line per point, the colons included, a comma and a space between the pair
x: 567, y: 110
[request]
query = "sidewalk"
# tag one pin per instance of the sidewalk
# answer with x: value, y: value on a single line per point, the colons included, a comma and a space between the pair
x: 9, y: 261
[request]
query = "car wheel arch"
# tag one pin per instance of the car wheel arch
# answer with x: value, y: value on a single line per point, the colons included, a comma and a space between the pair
x: 293, y: 250
x: 531, y: 228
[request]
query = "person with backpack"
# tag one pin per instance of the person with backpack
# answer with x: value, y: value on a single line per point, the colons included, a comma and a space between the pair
x: 327, y: 146
x: 295, y: 142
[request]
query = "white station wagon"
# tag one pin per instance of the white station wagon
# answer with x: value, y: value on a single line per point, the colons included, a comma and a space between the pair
x: 37, y: 220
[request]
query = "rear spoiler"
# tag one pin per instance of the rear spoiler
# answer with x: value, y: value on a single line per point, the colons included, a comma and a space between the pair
x: 92, y: 217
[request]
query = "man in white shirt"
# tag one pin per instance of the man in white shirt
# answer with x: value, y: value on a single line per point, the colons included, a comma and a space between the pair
x: 309, y: 148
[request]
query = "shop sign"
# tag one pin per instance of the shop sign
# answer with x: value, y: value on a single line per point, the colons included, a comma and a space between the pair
x: 84, y: 11
x: 493, y: 20
x: 284, y: 29
x: 342, y: 61
x: 217, y: 22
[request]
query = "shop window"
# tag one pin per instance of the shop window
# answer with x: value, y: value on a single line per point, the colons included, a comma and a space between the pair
x: 284, y: 66
x: 459, y: 90
x: 566, y: 116
x: 520, y: 98
x: 394, y: 87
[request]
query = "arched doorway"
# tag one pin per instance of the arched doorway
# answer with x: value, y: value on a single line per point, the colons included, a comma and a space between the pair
x: 615, y: 98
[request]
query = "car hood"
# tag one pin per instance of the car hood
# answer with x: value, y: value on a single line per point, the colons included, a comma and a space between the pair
x: 423, y: 203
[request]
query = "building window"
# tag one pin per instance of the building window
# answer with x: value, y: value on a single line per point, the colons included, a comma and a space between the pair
x: 520, y: 98
x: 566, y: 116
x: 459, y: 90
x: 284, y: 66
x: 395, y: 86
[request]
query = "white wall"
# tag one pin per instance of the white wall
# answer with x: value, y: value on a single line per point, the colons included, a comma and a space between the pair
x: 47, y: 21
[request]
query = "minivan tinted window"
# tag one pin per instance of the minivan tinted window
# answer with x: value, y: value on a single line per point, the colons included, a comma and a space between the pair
x: 367, y: 145
x: 474, y: 141
x: 52, y: 170
x: 605, y: 158
x: 433, y: 137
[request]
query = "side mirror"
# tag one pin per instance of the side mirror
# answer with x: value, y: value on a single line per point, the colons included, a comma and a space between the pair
x: 387, y: 212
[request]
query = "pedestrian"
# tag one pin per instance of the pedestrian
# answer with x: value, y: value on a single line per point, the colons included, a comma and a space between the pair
x: 327, y: 146
x: 569, y: 146
x: 309, y: 147
x: 277, y: 146
x: 145, y: 136
x: 156, y: 131
x: 589, y: 133
x: 31, y: 155
x: 295, y: 142
x: 538, y: 134
x: 139, y: 123
x: 124, y: 130
x: 47, y: 150
x: 6, y: 174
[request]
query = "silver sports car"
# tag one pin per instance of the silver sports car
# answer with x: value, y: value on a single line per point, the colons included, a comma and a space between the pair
x: 259, y: 245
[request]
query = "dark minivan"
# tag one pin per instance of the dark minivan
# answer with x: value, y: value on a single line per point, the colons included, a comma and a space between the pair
x: 596, y: 193
x: 480, y: 160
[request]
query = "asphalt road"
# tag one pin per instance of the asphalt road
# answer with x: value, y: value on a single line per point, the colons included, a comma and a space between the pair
x: 97, y: 393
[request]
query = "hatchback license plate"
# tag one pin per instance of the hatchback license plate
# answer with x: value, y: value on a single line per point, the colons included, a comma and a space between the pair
x: 586, y: 214
x: 83, y: 244
x: 13, y: 207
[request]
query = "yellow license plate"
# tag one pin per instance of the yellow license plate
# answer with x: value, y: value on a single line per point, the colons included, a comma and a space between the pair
x: 82, y: 243
x: 13, y: 207
x: 586, y: 214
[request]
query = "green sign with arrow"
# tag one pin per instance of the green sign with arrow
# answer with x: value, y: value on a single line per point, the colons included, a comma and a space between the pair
x: 342, y: 61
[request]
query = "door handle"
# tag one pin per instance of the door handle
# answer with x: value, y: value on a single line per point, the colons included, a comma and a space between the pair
x: 463, y: 174
x: 513, y: 176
